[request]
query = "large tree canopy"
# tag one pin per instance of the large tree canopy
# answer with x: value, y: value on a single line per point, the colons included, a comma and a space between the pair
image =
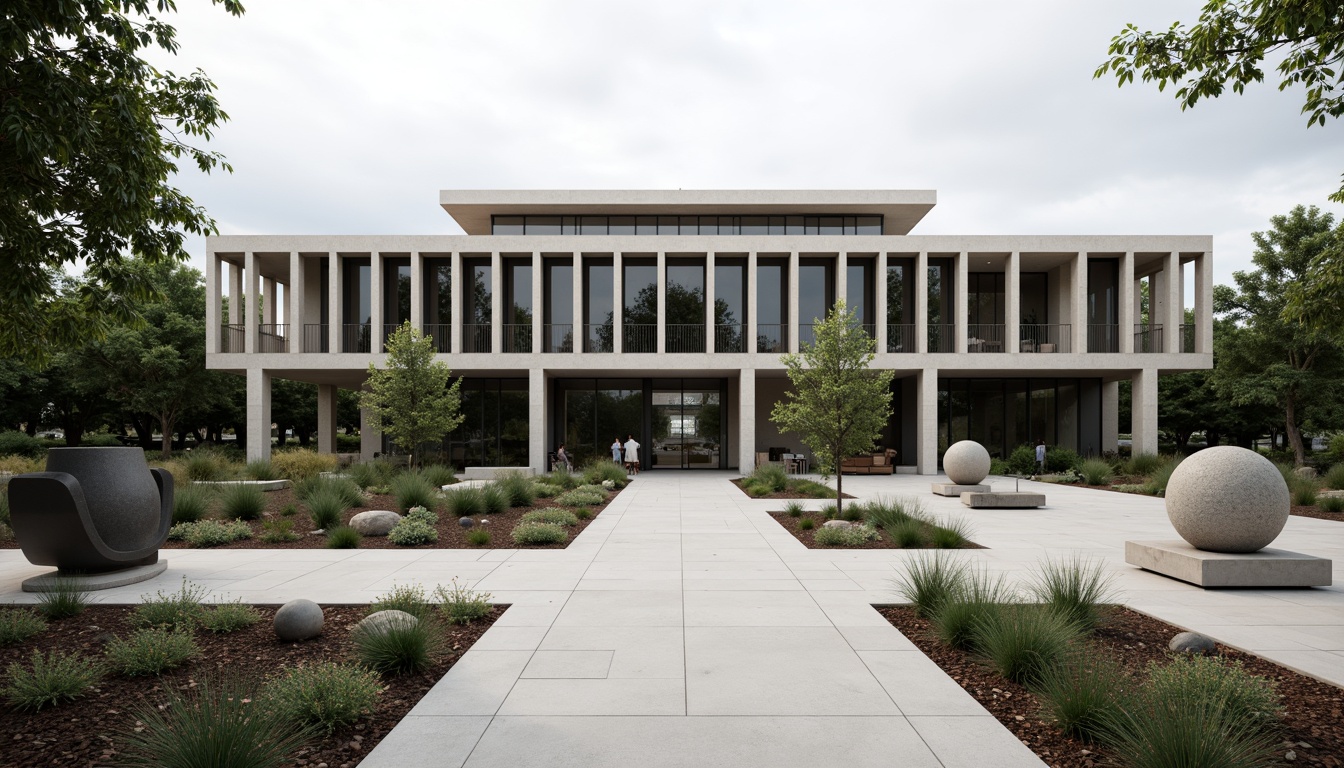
x: 1228, y: 47
x: 90, y: 135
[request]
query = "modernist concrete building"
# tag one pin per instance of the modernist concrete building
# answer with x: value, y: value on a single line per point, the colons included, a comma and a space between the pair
x: 581, y: 316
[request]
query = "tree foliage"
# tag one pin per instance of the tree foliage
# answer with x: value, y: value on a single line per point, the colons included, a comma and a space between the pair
x: 1228, y: 47
x: 838, y: 406
x: 90, y: 135
x: 414, y: 399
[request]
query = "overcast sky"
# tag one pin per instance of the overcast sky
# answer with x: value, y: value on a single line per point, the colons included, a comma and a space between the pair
x: 348, y: 118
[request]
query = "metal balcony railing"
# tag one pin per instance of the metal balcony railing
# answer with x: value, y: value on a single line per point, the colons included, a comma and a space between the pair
x: 1147, y: 338
x: 1103, y: 337
x: 942, y: 337
x: 1045, y: 338
x: 273, y: 337
x: 231, y: 338
x: 476, y: 337
x: 900, y: 338
x: 558, y: 337
x: 442, y: 334
x: 1187, y: 337
x: 730, y: 338
x: 639, y: 338
x: 685, y: 338
x: 355, y: 338
x: 807, y: 334
x: 518, y: 337
x: 601, y: 338
x: 388, y: 330
x: 985, y: 337
x: 773, y: 338
x: 316, y: 337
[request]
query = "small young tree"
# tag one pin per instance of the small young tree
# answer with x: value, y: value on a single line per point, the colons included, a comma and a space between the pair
x: 839, y: 406
x: 414, y: 399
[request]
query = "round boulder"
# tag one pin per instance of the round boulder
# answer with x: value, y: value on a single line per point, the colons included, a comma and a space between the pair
x: 837, y: 524
x: 1192, y: 642
x: 465, y: 522
x: 374, y: 522
x: 380, y: 622
x: 966, y: 463
x: 1227, y: 499
x: 298, y: 620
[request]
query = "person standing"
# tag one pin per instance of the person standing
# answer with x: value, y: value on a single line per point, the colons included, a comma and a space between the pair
x: 632, y: 454
x: 562, y: 458
x: 616, y: 450
x: 1040, y: 456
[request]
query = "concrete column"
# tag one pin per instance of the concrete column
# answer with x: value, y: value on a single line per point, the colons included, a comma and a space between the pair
x: 1110, y: 416
x: 214, y: 301
x: 617, y: 300
x: 922, y: 302
x: 1078, y: 301
x: 710, y: 330
x: 335, y: 302
x: 1012, y: 310
x: 750, y: 321
x: 662, y: 303
x: 537, y: 419
x: 235, y: 294
x: 961, y: 308
x: 258, y: 413
x: 793, y: 301
x: 538, y: 327
x: 417, y: 291
x: 294, y: 301
x: 327, y: 398
x: 926, y: 426
x: 370, y: 439
x: 1127, y: 318
x: 270, y: 303
x: 1174, y: 317
x: 1144, y: 411
x: 1204, y: 303
x: 459, y: 343
x: 375, y: 302
x: 497, y: 318
x: 841, y: 279
x: 880, y: 301
x: 746, y: 421
x: 576, y: 296
x: 250, y: 303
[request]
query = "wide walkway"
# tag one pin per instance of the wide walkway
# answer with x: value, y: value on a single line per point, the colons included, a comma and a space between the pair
x: 685, y: 627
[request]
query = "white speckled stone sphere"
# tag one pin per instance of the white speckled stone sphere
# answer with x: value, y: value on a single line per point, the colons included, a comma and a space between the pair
x: 1227, y: 499
x: 966, y: 463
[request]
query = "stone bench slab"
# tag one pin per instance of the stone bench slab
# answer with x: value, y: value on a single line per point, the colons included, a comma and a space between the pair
x: 264, y: 485
x: 1266, y: 568
x: 490, y: 473
x: 1003, y: 499
x: 952, y: 489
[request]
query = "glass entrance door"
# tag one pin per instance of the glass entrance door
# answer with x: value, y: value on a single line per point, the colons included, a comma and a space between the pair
x: 685, y: 428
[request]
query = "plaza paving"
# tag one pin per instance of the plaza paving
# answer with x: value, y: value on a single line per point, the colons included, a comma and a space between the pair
x: 685, y: 627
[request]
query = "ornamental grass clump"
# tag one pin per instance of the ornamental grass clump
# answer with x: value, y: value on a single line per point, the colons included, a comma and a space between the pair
x: 1334, y: 479
x: 65, y: 598
x: 605, y: 469
x: 1077, y: 589
x: 464, y: 502
x: 460, y: 605
x: 19, y: 624
x: 1304, y: 492
x: 261, y: 469
x: 178, y: 610
x: 191, y: 502
x: 438, y: 475
x: 150, y: 651
x: 343, y: 537
x: 1142, y: 464
x: 1095, y: 472
x: 930, y: 581
x: 539, y: 533
x: 220, y: 722
x: 1082, y: 693
x: 398, y: 649
x: 326, y: 508
x: 1332, y: 504
x: 886, y: 513
x: 1022, y: 641
x: 412, y: 533
x: 1245, y: 696
x: 225, y: 617
x: 853, y: 536
x: 553, y: 515
x: 793, y: 509
x: 48, y: 680
x: 494, y: 499
x: 1156, y: 484
x: 910, y: 534
x: 371, y: 474
x: 518, y: 488
x: 242, y: 502
x: 478, y: 537
x: 578, y: 498
x: 412, y: 490
x: 806, y: 524
x: 771, y: 476
x: 978, y: 594
x: 302, y: 464
x: 325, y: 695
x: 278, y: 531
x: 953, y: 533
x: 563, y: 478
x: 205, y: 465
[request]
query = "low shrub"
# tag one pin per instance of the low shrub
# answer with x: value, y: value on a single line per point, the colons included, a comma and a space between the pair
x: 952, y: 533
x: 577, y: 498
x: 210, y: 533
x: 438, y: 475
x: 1022, y: 461
x: 585, y: 488
x: 605, y: 469
x: 1333, y: 504
x: 583, y: 513
x: 423, y: 514
x: 324, y: 695
x: 261, y: 469
x: 538, y: 533
x: 326, y: 508
x: 408, y: 598
x: 218, y: 722
x: 150, y: 651
x: 854, y: 536
x: 493, y: 499
x: 19, y: 444
x: 278, y: 531
x: 343, y: 537
x: 545, y: 490
x: 1095, y: 472
x: 229, y: 617
x: 553, y: 515
x: 1334, y: 478
x: 413, y: 491
x: 910, y: 534
x: 1022, y: 641
x: 302, y: 464
x: 478, y: 537
x: 48, y: 680
x: 563, y: 478
x: 772, y: 476
x: 177, y: 610
x: 19, y: 624
x: 1077, y: 589
x: 412, y: 533
x: 22, y: 465
x: 191, y: 502
x: 398, y: 649
x: 1061, y: 459
x: 460, y: 605
x: 464, y: 502
x: 755, y: 489
x: 242, y: 502
x: 1142, y: 464
x: 806, y: 524
x: 518, y: 488
x: 1083, y: 692
x: 64, y: 599
x: 793, y: 509
x: 930, y: 580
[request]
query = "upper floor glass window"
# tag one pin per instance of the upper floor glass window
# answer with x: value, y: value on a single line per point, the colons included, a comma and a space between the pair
x: 687, y: 225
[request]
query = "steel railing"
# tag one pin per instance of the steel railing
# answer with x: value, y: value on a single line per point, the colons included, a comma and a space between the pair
x: 1037, y: 338
x: 476, y: 337
x: 900, y: 338
x: 442, y: 334
x: 1103, y: 337
x: 355, y: 338
x: 730, y: 338
x: 772, y: 337
x: 558, y: 337
x: 600, y: 338
x: 639, y: 338
x: 273, y: 337
x: 232, y: 338
x: 518, y: 337
x: 316, y: 337
x: 985, y: 337
x: 685, y: 338
x: 942, y: 337
x: 1147, y: 338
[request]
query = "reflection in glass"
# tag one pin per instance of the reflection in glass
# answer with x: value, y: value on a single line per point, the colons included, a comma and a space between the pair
x: 558, y: 311
x: 639, y: 319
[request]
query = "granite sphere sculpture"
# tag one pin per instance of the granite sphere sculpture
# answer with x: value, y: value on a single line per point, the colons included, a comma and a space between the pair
x: 1227, y: 499
x: 93, y: 510
x: 382, y: 622
x: 966, y: 463
x: 298, y: 620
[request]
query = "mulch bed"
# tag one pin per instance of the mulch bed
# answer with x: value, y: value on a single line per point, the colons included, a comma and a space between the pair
x: 83, y: 732
x: 788, y: 494
x: 808, y: 538
x: 1317, y: 513
x: 1312, y: 725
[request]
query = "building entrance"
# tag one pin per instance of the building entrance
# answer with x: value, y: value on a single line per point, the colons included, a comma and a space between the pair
x: 686, y: 428
x: 679, y: 423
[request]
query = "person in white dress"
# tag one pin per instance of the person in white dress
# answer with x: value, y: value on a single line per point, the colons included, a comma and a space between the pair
x: 632, y: 454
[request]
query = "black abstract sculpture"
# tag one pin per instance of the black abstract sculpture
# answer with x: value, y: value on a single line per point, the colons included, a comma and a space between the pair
x: 93, y: 510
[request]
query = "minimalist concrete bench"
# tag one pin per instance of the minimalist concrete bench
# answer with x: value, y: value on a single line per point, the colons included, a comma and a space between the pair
x: 265, y: 485
x: 1003, y: 500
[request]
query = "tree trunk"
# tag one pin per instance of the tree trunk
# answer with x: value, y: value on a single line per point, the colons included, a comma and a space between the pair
x: 166, y: 424
x: 1294, y: 432
x: 839, y: 483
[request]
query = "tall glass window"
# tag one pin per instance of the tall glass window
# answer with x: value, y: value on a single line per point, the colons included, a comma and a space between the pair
x: 518, y: 305
x: 942, y: 317
x: 598, y: 311
x: 1034, y: 306
x: 1102, y: 313
x: 495, y: 426
x: 558, y: 300
x: 1003, y: 414
x: 639, y: 318
x: 476, y: 305
x: 685, y: 314
x: 900, y: 305
x: 859, y: 291
x: 730, y: 304
x: 816, y: 294
x: 439, y: 301
x: 772, y: 305
x: 355, y: 336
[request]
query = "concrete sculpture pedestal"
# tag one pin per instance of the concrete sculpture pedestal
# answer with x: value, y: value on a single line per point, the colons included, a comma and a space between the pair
x: 1003, y: 499
x: 966, y: 464
x: 92, y: 582
x: 952, y: 489
x: 1266, y: 568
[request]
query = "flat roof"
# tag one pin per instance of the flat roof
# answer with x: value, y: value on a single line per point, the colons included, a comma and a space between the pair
x: 901, y: 209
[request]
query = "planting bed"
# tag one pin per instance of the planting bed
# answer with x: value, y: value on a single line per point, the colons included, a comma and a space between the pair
x: 83, y: 732
x: 1313, y: 712
x: 808, y: 537
x: 1318, y: 513
x: 800, y: 489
